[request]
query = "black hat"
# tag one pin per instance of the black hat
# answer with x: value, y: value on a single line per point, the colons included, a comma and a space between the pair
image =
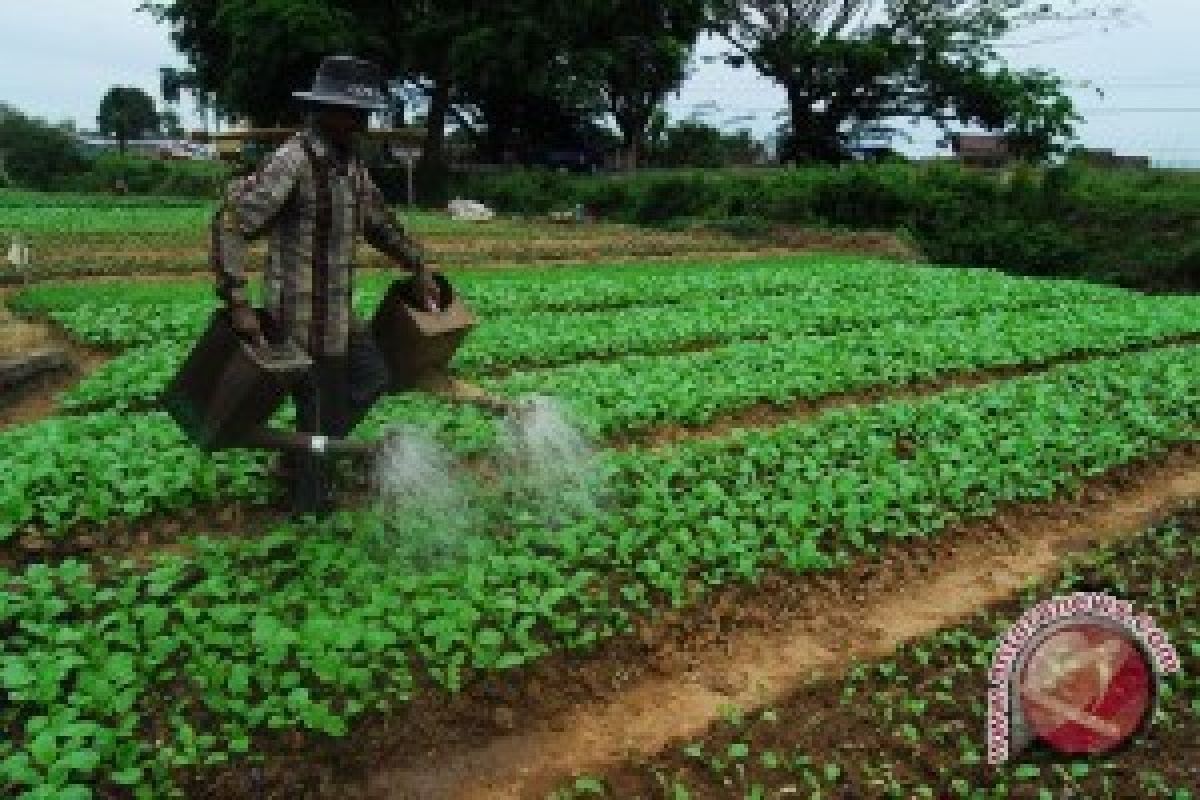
x: 347, y: 81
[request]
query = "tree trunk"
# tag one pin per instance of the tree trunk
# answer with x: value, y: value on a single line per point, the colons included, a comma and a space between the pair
x: 431, y: 172
x: 814, y: 135
x: 633, y: 131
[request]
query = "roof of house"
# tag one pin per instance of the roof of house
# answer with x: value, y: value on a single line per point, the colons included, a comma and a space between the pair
x: 979, y: 144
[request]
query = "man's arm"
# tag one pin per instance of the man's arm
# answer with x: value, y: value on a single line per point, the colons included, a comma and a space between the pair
x: 246, y: 210
x: 227, y: 250
x: 385, y: 234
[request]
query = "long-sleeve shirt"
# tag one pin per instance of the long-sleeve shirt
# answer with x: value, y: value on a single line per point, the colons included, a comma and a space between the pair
x: 312, y: 207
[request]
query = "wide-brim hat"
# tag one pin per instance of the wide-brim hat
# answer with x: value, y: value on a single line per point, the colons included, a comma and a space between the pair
x: 347, y: 82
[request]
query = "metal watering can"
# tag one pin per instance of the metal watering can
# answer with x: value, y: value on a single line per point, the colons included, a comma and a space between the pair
x: 227, y: 390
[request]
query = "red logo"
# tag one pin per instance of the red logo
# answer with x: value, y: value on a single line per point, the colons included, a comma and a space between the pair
x: 1086, y: 689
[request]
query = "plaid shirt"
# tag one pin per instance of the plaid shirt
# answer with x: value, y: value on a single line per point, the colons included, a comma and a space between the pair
x: 313, y: 209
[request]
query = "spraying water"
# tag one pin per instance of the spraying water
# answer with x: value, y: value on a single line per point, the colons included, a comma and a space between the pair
x: 551, y: 469
x: 423, y: 498
x: 430, y: 508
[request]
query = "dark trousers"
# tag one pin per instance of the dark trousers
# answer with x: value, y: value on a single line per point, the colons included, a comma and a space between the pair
x: 331, y: 400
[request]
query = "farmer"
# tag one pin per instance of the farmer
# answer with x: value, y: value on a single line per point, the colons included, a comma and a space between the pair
x: 313, y: 198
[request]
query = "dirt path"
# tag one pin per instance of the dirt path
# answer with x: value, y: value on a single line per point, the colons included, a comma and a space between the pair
x: 37, y: 398
x: 772, y: 649
x: 509, y: 262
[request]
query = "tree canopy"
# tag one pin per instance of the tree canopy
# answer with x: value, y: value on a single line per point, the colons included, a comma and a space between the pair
x: 849, y: 62
x: 522, y: 75
x: 33, y: 152
x: 126, y: 113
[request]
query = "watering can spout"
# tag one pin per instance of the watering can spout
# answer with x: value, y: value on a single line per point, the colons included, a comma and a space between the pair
x: 456, y: 390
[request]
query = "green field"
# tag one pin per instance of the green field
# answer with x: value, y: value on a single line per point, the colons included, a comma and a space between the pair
x: 135, y: 671
x: 85, y: 235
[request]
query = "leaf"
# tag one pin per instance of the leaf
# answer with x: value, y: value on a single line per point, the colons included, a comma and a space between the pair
x: 298, y: 699
x: 489, y: 637
x: 239, y: 679
x: 127, y: 777
x: 80, y: 760
x: 588, y: 785
x: 509, y: 660
x: 44, y: 748
x: 16, y: 675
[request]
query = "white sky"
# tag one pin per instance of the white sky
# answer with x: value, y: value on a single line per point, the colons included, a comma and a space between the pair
x: 57, y: 57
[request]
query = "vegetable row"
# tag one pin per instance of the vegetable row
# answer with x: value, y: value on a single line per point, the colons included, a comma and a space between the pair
x: 95, y: 467
x: 116, y: 679
x: 134, y: 379
x: 916, y: 717
x: 119, y: 314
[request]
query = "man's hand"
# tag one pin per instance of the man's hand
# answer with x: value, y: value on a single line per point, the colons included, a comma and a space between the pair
x: 428, y: 289
x: 245, y: 324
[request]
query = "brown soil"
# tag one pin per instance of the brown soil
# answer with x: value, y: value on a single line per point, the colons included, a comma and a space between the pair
x: 586, y: 244
x: 518, y: 735
x: 879, y: 243
x: 38, y: 399
x: 18, y: 338
x: 143, y: 538
x: 859, y: 731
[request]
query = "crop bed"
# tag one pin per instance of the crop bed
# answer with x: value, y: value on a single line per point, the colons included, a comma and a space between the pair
x: 79, y: 235
x: 909, y: 726
x: 133, y: 675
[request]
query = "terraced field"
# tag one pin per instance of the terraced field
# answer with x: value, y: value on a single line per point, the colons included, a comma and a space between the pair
x: 766, y: 427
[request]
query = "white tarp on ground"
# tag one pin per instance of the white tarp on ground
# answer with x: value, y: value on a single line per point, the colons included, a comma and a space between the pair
x: 471, y: 210
x: 18, y: 253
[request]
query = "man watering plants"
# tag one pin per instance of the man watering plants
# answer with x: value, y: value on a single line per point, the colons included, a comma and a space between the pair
x: 312, y: 199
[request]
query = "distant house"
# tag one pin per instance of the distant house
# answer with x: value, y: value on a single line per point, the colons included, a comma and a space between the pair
x: 1107, y: 159
x: 980, y: 149
x: 93, y: 143
x: 236, y: 142
x: 871, y: 153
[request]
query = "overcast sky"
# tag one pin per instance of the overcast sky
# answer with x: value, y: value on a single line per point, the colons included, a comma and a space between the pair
x: 57, y: 57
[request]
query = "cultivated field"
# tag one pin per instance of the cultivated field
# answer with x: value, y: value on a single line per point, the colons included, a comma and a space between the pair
x: 809, y: 464
x: 82, y: 235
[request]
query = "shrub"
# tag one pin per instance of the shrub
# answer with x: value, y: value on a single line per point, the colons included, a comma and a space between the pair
x: 1138, y: 228
x: 35, y: 153
x: 149, y: 176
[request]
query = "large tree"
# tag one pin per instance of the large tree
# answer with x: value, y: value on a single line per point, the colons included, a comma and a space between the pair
x: 252, y: 54
x: 641, y: 50
x: 517, y: 74
x: 848, y: 62
x: 127, y: 112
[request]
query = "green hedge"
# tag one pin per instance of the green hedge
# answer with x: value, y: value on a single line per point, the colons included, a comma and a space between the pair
x: 1137, y: 228
x: 149, y: 176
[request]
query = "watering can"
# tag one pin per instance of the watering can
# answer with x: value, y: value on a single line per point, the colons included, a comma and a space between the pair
x: 227, y: 390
